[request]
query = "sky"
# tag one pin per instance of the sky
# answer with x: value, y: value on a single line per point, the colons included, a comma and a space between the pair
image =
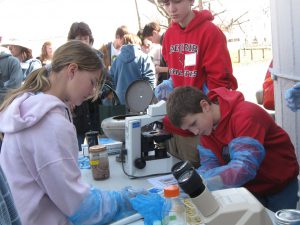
x: 42, y: 20
x: 51, y: 19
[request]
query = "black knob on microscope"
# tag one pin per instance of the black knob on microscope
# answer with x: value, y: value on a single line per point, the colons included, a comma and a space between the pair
x: 140, y: 163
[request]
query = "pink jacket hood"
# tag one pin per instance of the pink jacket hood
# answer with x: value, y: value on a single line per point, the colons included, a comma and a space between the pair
x: 27, y: 110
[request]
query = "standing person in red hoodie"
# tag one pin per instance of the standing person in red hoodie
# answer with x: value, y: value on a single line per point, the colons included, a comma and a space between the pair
x: 241, y: 145
x: 196, y: 53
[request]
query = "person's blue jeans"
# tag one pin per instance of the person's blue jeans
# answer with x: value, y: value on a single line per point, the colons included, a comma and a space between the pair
x: 80, y: 139
x: 285, y: 199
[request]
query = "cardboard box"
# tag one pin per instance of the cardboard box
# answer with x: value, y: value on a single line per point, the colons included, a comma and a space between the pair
x: 113, y: 147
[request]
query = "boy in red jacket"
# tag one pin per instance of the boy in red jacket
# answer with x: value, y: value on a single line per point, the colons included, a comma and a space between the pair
x: 241, y: 144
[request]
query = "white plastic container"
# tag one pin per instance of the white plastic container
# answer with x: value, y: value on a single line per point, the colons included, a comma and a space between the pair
x: 287, y: 217
x: 174, y: 209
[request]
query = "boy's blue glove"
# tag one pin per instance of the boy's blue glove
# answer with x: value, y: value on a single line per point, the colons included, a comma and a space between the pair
x: 150, y: 206
x: 292, y: 97
x: 245, y: 157
x: 208, y: 160
x: 163, y: 90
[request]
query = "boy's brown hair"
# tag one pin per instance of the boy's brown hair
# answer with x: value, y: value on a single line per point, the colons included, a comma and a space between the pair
x: 183, y: 101
x: 121, y: 31
x: 149, y: 28
x: 80, y: 28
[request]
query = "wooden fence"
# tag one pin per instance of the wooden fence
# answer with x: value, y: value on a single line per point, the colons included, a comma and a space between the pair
x: 246, y: 55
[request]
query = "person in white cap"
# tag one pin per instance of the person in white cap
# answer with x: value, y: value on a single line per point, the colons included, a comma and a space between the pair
x: 22, y: 51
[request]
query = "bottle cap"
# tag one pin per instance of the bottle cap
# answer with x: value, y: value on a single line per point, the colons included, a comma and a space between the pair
x: 288, y: 216
x: 97, y: 148
x: 171, y: 191
x: 91, y: 133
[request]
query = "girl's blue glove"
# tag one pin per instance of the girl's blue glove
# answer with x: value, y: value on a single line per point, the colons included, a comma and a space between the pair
x: 104, y: 207
x: 292, y: 97
x: 150, y: 206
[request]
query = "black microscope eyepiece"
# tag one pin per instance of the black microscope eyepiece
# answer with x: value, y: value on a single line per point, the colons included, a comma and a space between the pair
x: 191, y: 183
x: 180, y: 167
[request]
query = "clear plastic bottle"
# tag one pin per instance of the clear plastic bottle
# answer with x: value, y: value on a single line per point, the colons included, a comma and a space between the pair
x: 174, y: 209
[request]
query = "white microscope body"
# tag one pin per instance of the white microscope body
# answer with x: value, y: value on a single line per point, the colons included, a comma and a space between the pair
x: 233, y: 206
x: 136, y: 163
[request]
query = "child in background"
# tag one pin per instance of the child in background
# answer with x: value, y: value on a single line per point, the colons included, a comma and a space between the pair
x: 46, y: 53
x: 132, y: 64
x: 23, y: 51
x: 85, y: 116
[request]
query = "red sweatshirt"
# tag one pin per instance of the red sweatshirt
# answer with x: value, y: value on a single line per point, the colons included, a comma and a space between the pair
x: 241, y: 118
x: 198, y: 54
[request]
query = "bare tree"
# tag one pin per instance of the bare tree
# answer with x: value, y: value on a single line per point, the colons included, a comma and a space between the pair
x: 138, y: 14
x: 225, y: 25
x: 234, y: 22
x: 200, y: 5
x: 160, y: 9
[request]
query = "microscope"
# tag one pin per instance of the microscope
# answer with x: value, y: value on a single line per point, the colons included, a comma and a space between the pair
x: 145, y: 151
x: 233, y: 206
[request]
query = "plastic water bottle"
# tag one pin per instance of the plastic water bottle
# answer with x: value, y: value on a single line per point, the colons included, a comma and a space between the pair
x: 174, y: 209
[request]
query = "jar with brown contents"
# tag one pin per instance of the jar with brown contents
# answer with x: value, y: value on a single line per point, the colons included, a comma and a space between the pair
x: 99, y: 162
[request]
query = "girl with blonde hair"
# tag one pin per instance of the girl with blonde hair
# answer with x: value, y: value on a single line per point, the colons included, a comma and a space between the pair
x: 39, y: 153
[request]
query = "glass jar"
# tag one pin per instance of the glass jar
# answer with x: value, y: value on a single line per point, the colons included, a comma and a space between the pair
x: 99, y: 162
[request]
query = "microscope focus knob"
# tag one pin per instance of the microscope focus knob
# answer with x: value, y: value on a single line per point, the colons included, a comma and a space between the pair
x: 140, y: 163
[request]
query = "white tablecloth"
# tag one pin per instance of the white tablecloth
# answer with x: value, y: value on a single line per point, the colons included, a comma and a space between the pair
x: 119, y: 180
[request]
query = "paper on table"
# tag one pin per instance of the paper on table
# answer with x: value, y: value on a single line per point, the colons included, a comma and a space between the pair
x: 162, y: 181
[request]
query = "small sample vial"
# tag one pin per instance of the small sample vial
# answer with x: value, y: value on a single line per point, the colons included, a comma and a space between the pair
x: 84, y: 149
